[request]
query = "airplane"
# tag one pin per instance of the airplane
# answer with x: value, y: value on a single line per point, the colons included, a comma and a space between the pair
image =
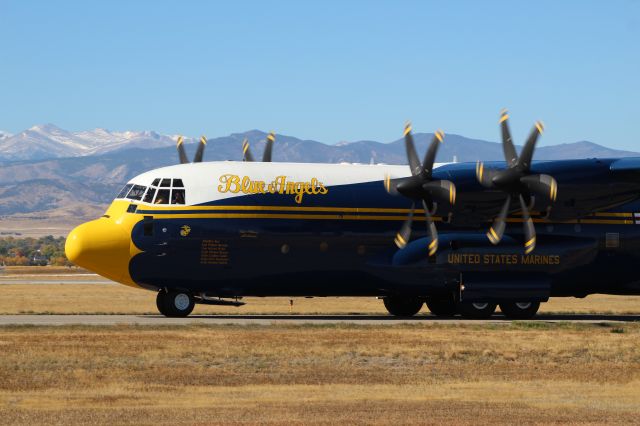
x: 510, y: 234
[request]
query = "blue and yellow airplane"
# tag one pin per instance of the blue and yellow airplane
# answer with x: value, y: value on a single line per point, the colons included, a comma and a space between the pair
x: 510, y: 233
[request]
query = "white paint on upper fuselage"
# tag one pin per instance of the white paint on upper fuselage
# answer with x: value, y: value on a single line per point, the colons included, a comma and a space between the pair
x: 202, y: 180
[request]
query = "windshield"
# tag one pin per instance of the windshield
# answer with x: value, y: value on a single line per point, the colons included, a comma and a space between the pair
x: 124, y: 191
x: 136, y: 192
x: 166, y: 191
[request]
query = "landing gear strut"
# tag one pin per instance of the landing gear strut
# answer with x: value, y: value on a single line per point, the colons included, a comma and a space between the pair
x: 402, y: 306
x: 177, y: 304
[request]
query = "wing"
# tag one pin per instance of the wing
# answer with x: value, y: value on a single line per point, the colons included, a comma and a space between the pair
x: 626, y: 165
x: 584, y: 187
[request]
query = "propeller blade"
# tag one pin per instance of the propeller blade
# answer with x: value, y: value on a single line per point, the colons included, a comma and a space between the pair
x: 412, y: 155
x: 485, y: 176
x: 441, y: 190
x: 529, y: 229
x: 510, y: 155
x: 497, y: 228
x: 271, y: 138
x: 200, y: 151
x: 430, y: 156
x: 391, y: 185
x: 542, y: 185
x: 246, y: 152
x: 526, y: 155
x: 181, y: 152
x: 403, y: 236
x: 431, y: 227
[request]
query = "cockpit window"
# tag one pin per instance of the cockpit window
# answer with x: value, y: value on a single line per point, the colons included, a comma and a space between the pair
x: 136, y: 192
x: 124, y: 191
x: 177, y: 196
x: 148, y: 197
x: 162, y: 197
x: 162, y: 191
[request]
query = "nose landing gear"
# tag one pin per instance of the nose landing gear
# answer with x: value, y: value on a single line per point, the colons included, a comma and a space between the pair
x: 175, y: 303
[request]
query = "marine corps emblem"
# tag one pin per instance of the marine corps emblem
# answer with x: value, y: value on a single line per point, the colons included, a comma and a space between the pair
x: 185, y: 230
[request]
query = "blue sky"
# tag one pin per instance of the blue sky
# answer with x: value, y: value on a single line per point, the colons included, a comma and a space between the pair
x: 325, y: 70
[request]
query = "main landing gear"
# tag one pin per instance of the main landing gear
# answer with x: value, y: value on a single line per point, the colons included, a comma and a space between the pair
x: 448, y: 307
x: 402, y: 306
x: 476, y: 310
x: 175, y: 303
x: 442, y: 306
x: 520, y: 310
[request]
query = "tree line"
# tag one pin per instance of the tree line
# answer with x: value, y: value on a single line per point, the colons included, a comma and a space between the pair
x: 41, y: 251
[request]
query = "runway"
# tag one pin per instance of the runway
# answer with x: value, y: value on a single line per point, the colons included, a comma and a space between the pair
x: 46, y: 279
x: 158, y: 320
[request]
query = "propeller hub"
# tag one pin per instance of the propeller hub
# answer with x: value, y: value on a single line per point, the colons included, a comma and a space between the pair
x: 518, y: 182
x: 421, y: 187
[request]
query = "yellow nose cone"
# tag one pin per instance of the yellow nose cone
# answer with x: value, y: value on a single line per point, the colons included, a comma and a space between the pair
x: 101, y: 246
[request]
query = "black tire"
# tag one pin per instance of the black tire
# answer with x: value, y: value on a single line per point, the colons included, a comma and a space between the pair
x: 161, y: 303
x: 442, y: 307
x: 519, y: 310
x: 403, y: 306
x: 175, y: 304
x: 476, y: 310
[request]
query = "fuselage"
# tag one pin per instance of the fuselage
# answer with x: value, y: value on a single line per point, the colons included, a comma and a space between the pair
x: 230, y: 229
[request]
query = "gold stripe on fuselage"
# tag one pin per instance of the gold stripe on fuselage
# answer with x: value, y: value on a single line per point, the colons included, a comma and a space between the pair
x: 340, y: 213
x: 605, y: 214
x: 307, y: 216
x: 282, y: 208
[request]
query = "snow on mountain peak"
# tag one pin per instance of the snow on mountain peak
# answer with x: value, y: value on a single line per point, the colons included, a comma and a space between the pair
x: 46, y: 128
x: 50, y: 141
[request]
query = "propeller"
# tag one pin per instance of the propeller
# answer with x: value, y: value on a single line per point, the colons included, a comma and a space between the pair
x: 268, y: 149
x: 420, y: 187
x: 517, y: 181
x: 183, y: 154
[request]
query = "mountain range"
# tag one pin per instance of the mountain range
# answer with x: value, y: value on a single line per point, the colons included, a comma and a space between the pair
x: 49, y: 172
x: 49, y: 141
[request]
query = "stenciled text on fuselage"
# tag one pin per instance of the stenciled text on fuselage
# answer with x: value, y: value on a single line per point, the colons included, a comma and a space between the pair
x: 280, y: 185
x: 501, y: 259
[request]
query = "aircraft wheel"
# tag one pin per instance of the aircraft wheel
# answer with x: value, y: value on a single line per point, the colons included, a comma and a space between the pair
x: 403, y: 306
x: 476, y: 310
x: 442, y: 307
x: 160, y: 303
x: 519, y: 310
x: 177, y: 304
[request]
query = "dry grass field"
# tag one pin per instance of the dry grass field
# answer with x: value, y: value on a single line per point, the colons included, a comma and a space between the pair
x: 405, y: 374
x: 108, y: 298
x: 422, y: 373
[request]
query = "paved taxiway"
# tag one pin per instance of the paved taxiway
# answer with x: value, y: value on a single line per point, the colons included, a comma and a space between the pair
x: 66, y: 279
x: 58, y: 320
